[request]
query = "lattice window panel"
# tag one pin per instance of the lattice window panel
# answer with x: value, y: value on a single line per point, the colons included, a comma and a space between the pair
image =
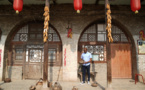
x: 118, y: 35
x: 91, y: 37
x: 84, y: 38
x: 52, y: 35
x: 91, y: 29
x: 17, y: 52
x: 16, y: 37
x: 51, y: 55
x: 23, y: 37
x: 101, y: 27
x: 101, y: 34
x: 22, y: 34
x: 123, y: 38
x: 35, y: 55
x: 35, y: 33
x: 97, y: 51
x: 89, y: 34
x: 116, y: 38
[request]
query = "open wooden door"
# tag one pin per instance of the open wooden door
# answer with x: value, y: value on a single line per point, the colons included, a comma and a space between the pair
x: 121, y: 61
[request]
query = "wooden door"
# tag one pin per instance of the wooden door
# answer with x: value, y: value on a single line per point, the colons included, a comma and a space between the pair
x: 121, y: 61
x: 33, y: 67
x: 33, y: 63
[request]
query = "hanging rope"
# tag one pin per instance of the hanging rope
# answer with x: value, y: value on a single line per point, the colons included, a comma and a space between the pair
x: 108, y: 28
x: 46, y: 23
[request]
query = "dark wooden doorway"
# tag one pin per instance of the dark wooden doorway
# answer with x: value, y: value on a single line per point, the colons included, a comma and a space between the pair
x: 27, y: 49
x: 121, y: 61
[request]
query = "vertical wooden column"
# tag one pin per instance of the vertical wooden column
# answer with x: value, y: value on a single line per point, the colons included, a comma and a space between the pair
x: 45, y: 66
x: 109, y: 74
x: 45, y: 37
x: 108, y: 48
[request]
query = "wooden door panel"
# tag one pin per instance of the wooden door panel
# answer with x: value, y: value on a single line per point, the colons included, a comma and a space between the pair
x: 33, y: 67
x: 33, y: 71
x: 121, y: 60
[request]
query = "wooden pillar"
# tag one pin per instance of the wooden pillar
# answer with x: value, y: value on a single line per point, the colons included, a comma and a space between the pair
x: 108, y: 48
x: 45, y: 66
x: 109, y: 74
x: 45, y: 37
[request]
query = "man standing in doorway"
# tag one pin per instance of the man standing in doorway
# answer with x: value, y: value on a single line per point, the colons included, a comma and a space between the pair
x: 87, y: 58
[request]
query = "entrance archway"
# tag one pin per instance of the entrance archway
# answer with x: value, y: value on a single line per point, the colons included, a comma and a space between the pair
x: 25, y: 49
x: 94, y: 38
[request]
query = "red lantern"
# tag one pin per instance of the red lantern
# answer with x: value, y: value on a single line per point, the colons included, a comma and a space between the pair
x: 135, y: 5
x: 78, y: 5
x: 18, y: 5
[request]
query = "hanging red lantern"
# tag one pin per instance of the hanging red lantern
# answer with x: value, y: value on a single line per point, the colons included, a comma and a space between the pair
x: 135, y: 5
x: 78, y: 5
x: 18, y: 5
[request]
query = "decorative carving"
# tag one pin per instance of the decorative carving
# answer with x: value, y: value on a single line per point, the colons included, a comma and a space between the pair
x: 35, y: 55
x: 23, y: 37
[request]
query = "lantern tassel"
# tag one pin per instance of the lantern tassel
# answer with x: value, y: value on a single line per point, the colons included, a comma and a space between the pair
x: 17, y: 12
x: 136, y: 12
x: 78, y: 11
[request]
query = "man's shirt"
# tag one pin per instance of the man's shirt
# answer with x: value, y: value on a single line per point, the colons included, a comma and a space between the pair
x: 86, y: 57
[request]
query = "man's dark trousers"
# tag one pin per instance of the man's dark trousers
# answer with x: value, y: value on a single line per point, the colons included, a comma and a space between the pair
x: 84, y: 68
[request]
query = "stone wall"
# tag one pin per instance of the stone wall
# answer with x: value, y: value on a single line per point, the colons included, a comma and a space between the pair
x: 59, y: 17
x: 55, y: 74
x: 101, y: 76
x: 15, y: 73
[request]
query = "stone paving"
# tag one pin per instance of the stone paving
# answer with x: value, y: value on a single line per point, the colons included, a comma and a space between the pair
x: 118, y: 84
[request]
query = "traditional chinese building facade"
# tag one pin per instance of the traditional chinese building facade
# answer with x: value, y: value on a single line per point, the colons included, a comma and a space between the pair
x: 22, y: 49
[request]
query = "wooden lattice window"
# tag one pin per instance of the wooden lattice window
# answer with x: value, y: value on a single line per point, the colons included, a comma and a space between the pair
x: 34, y: 53
x: 101, y: 32
x: 52, y: 55
x: 97, y: 33
x: 52, y: 36
x: 89, y: 34
x: 27, y: 45
x: 22, y: 34
x: 118, y: 35
x: 34, y: 32
x: 98, y: 52
x: 18, y: 52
